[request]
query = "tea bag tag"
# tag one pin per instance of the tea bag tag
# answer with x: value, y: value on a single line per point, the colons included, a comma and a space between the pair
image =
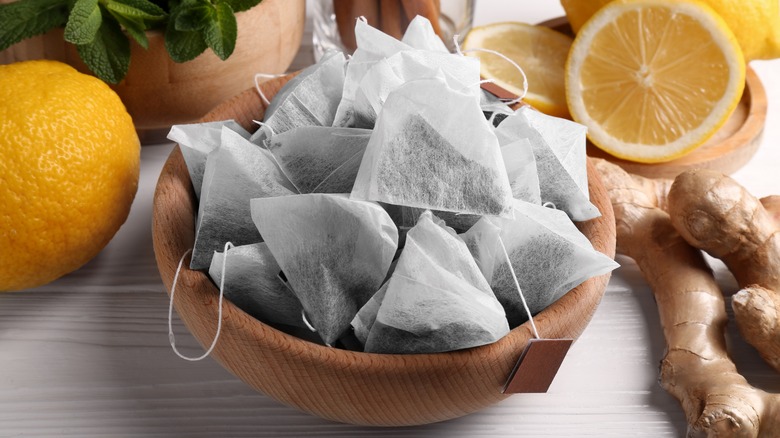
x: 540, y: 360
x: 498, y: 91
x: 537, y: 366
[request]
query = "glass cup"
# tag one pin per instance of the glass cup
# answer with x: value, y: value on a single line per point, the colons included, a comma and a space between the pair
x: 334, y: 20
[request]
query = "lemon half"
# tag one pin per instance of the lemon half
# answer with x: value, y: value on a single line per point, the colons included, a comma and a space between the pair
x: 653, y: 79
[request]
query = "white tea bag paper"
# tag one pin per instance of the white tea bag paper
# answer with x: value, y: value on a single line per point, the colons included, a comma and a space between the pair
x: 549, y: 257
x: 236, y: 172
x: 434, y: 158
x: 334, y: 251
x: 460, y: 72
x: 197, y: 140
x: 437, y: 299
x: 372, y: 46
x: 366, y: 316
x: 521, y: 170
x: 559, y: 148
x: 309, y: 99
x: 319, y: 159
x: 253, y: 284
x: 420, y: 35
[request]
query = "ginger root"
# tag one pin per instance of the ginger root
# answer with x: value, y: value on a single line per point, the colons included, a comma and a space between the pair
x: 696, y: 369
x: 716, y: 214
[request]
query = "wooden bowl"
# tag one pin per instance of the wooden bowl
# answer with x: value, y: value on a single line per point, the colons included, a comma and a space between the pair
x: 340, y: 385
x: 159, y: 92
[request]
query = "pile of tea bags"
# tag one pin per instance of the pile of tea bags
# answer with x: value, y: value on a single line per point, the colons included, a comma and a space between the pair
x: 383, y: 203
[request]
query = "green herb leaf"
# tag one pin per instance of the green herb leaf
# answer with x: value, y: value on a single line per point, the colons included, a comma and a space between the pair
x: 84, y: 22
x: 196, y: 17
x: 242, y: 5
x: 108, y: 55
x: 143, y: 10
x: 135, y: 27
x: 222, y: 32
x: 24, y: 19
x: 182, y: 46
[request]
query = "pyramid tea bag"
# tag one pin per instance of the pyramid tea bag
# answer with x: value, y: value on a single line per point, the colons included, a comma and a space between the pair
x: 521, y: 171
x: 460, y: 72
x: 253, y: 284
x: 196, y: 141
x: 433, y: 157
x: 309, y: 99
x: 372, y: 45
x: 549, y: 257
x: 334, y: 251
x: 420, y: 35
x: 559, y: 148
x: 318, y: 159
x: 366, y: 316
x: 437, y: 299
x: 236, y: 172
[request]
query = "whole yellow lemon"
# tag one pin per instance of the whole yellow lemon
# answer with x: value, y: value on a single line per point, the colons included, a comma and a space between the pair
x: 69, y: 165
x: 755, y: 23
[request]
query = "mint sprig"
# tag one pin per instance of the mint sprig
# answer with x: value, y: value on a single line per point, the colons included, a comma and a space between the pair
x: 101, y: 29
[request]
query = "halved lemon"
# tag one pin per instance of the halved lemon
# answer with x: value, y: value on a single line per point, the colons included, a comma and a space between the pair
x: 539, y: 51
x: 653, y: 79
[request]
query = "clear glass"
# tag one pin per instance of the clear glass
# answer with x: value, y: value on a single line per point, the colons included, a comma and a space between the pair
x: 455, y: 17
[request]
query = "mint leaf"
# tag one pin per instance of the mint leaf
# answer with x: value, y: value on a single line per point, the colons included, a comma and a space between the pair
x: 84, y: 22
x: 242, y: 5
x: 24, y: 19
x: 143, y: 10
x: 182, y: 46
x: 222, y: 31
x: 195, y: 18
x: 108, y: 54
x: 135, y: 27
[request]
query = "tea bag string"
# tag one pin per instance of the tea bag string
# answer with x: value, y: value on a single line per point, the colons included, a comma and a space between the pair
x: 171, y: 336
x: 517, y: 285
x: 257, y: 85
x: 500, y: 55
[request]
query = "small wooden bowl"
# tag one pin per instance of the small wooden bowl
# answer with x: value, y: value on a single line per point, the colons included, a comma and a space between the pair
x: 159, y: 92
x: 340, y: 385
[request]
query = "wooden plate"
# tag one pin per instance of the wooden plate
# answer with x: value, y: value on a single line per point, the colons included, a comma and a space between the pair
x: 340, y: 385
x: 727, y: 151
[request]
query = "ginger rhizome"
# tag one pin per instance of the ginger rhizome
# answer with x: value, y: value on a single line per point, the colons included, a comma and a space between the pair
x: 716, y: 214
x: 716, y: 399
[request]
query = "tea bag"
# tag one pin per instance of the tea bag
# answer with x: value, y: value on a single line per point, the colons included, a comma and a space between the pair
x: 432, y: 157
x: 559, y: 148
x: 420, y: 35
x: 521, y: 170
x: 372, y: 46
x: 334, y: 251
x: 236, y: 172
x: 253, y: 284
x: 309, y: 99
x: 196, y: 141
x: 366, y: 316
x: 437, y: 299
x: 549, y: 257
x: 460, y: 72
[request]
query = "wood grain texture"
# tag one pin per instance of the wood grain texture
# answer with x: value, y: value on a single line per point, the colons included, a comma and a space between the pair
x: 159, y: 92
x: 345, y: 386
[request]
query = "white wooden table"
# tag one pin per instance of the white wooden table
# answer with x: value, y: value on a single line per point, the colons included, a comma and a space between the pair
x: 88, y: 355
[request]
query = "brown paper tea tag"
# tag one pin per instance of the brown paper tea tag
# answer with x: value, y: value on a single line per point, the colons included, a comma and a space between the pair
x: 498, y: 91
x: 537, y: 366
